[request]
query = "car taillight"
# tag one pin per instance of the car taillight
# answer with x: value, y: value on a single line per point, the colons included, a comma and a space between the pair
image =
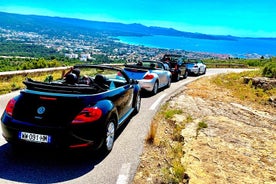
x: 88, y: 115
x: 10, y: 107
x: 149, y: 76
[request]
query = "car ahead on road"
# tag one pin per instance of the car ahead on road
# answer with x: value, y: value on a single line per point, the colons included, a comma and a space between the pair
x: 195, y: 66
x: 151, y: 75
x: 177, y: 66
x: 82, y: 109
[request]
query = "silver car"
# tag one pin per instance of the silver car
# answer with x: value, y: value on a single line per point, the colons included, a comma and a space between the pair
x: 195, y: 66
x: 151, y: 75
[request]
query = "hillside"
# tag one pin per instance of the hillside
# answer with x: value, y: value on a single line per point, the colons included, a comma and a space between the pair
x: 237, y: 145
x: 58, y: 25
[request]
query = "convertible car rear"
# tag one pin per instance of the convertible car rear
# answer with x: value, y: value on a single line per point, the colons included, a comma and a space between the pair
x: 82, y: 109
x: 151, y: 75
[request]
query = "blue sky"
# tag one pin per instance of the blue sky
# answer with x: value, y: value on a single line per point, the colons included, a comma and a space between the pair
x: 254, y: 18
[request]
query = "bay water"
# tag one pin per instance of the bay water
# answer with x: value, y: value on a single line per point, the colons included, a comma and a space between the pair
x: 238, y: 47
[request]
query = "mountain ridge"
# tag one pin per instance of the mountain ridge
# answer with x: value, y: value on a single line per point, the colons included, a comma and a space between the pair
x: 44, y: 24
x: 53, y: 24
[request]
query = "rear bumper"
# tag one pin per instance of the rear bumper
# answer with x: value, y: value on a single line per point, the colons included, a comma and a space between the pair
x: 65, y: 137
x: 193, y: 71
x: 146, y: 84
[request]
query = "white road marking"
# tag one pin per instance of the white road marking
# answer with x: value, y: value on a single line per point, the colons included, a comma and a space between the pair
x: 124, y: 174
x: 154, y: 105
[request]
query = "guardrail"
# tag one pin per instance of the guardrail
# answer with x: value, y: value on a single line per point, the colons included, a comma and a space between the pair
x: 25, y: 72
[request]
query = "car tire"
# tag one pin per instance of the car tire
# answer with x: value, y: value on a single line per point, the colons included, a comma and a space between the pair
x: 198, y: 72
x: 204, y: 71
x: 155, y: 88
x: 137, y: 103
x: 109, y: 136
x: 185, y: 74
x: 177, y: 77
x: 169, y: 83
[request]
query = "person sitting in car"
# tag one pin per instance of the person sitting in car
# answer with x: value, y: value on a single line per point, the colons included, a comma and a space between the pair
x: 74, y: 78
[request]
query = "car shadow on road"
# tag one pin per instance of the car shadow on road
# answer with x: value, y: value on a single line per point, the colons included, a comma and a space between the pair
x: 30, y: 165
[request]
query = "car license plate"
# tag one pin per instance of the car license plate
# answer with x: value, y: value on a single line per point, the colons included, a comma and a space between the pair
x: 32, y: 137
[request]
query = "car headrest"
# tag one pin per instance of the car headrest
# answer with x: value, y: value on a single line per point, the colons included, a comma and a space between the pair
x: 71, y: 78
x: 100, y: 79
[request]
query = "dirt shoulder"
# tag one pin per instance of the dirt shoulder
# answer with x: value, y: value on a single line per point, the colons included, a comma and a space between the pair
x: 238, y: 146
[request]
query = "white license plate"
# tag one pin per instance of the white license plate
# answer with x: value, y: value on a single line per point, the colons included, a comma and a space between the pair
x: 32, y: 137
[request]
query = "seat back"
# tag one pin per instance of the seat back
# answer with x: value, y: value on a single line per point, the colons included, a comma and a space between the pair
x: 101, y: 81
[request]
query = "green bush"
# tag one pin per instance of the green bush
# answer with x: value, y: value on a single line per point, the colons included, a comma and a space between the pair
x: 269, y: 69
x: 254, y: 62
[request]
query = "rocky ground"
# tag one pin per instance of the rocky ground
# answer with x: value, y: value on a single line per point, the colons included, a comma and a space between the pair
x: 238, y: 146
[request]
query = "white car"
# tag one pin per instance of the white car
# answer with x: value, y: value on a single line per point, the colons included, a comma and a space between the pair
x: 195, y: 67
x: 151, y: 75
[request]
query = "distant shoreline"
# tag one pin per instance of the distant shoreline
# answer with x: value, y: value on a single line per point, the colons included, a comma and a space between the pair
x: 241, y: 47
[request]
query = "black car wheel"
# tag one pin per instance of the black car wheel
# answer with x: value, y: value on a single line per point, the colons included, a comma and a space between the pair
x: 169, y: 83
x: 177, y: 77
x: 109, y: 136
x: 155, y: 88
x: 137, y: 104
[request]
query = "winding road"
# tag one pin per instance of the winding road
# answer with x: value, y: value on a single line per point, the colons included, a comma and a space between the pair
x: 118, y: 167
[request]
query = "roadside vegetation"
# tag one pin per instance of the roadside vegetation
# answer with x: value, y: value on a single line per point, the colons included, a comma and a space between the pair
x: 238, y: 62
x: 245, y: 92
x: 169, y: 142
x: 26, y: 63
x: 269, y: 69
x: 162, y: 161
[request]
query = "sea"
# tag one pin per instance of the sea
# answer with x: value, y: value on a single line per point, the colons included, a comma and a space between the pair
x: 238, y: 47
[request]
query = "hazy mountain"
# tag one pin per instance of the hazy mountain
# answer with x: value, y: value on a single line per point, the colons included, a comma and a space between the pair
x: 58, y: 26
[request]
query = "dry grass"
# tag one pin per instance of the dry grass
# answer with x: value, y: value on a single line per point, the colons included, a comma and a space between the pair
x: 245, y: 93
x: 164, y: 144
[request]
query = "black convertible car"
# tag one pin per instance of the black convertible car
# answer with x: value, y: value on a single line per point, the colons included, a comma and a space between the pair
x: 177, y: 66
x: 84, y: 108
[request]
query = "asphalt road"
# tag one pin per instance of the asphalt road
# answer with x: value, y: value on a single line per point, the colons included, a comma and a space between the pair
x: 119, y: 167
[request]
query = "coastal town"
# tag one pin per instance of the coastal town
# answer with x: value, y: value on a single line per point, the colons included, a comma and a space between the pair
x: 85, y: 47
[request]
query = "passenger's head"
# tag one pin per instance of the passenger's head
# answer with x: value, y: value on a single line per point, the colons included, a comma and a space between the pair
x: 71, y: 78
x: 76, y: 71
